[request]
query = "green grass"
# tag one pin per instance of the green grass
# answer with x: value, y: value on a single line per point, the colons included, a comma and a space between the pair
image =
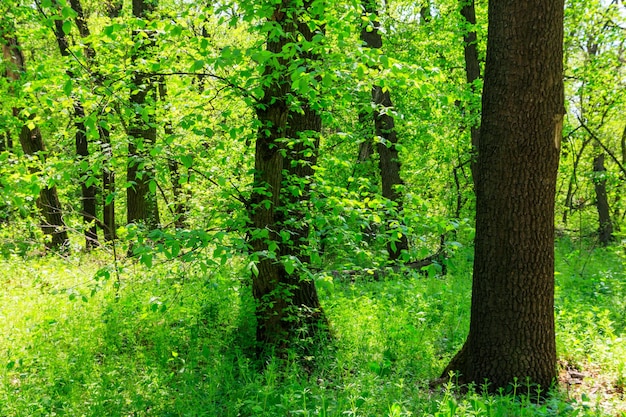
x: 175, y: 341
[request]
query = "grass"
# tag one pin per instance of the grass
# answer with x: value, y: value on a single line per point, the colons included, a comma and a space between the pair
x: 174, y: 341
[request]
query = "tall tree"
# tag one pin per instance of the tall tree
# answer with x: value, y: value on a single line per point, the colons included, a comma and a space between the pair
x: 141, y: 202
x: 512, y: 316
x: 286, y: 151
x: 108, y: 174
x: 386, y: 136
x: 32, y: 143
x: 88, y: 191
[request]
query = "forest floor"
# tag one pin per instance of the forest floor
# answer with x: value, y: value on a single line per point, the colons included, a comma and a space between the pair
x: 79, y: 338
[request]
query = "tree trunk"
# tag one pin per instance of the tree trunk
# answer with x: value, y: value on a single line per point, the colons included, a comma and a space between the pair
x: 180, y: 196
x: 141, y: 203
x: 88, y: 192
x: 472, y: 71
x: 605, y: 225
x: 512, y: 318
x: 387, y: 140
x: 32, y: 144
x: 108, y: 175
x: 288, y: 309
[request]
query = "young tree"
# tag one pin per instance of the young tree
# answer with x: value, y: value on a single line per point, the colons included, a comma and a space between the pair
x: 512, y: 318
x: 386, y: 136
x: 286, y: 151
x: 88, y: 191
x: 141, y: 204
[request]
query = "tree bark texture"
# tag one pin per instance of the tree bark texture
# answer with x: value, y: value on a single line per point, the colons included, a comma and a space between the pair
x: 141, y: 203
x: 288, y: 308
x: 387, y: 139
x: 88, y: 192
x: 33, y: 145
x: 512, y: 317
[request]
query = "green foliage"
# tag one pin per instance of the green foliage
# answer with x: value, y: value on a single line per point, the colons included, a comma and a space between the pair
x: 175, y: 339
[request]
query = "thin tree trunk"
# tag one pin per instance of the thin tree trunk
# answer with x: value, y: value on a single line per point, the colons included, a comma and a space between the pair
x: 288, y: 307
x: 32, y: 144
x: 180, y: 196
x: 472, y: 72
x: 387, y: 140
x: 605, y: 225
x: 141, y: 204
x: 88, y: 192
x: 108, y: 175
x: 512, y: 333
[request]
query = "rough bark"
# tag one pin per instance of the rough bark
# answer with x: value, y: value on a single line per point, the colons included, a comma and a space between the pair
x: 287, y: 303
x: 512, y: 317
x: 88, y: 192
x: 33, y: 145
x: 387, y: 138
x: 141, y: 202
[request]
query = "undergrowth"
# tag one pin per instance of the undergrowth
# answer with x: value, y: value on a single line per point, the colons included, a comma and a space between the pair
x: 177, y: 340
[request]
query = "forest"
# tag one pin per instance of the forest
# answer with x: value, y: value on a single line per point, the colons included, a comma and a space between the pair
x: 312, y: 208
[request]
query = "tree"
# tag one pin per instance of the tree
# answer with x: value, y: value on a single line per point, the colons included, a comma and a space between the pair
x: 472, y: 65
x: 88, y: 191
x: 286, y: 151
x: 512, y: 317
x: 386, y: 136
x: 32, y: 144
x: 141, y: 204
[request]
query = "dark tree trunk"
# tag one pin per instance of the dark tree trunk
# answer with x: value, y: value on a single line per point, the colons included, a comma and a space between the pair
x: 48, y: 201
x: 141, y: 202
x: 180, y: 196
x: 389, y: 160
x: 88, y: 192
x: 472, y: 71
x: 108, y: 175
x: 512, y: 319
x: 425, y: 13
x: 287, y: 302
x: 108, y: 188
x: 32, y: 144
x: 605, y: 225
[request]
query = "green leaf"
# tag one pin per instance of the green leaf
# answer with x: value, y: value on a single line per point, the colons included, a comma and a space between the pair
x: 152, y: 186
x: 67, y: 27
x: 289, y: 266
x: 68, y: 13
x: 67, y: 87
x: 146, y: 259
x: 197, y: 65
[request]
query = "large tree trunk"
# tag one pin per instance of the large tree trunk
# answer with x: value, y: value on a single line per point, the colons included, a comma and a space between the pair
x: 141, y: 203
x: 512, y: 319
x: 387, y: 139
x: 88, y: 192
x: 32, y: 144
x: 288, y: 307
